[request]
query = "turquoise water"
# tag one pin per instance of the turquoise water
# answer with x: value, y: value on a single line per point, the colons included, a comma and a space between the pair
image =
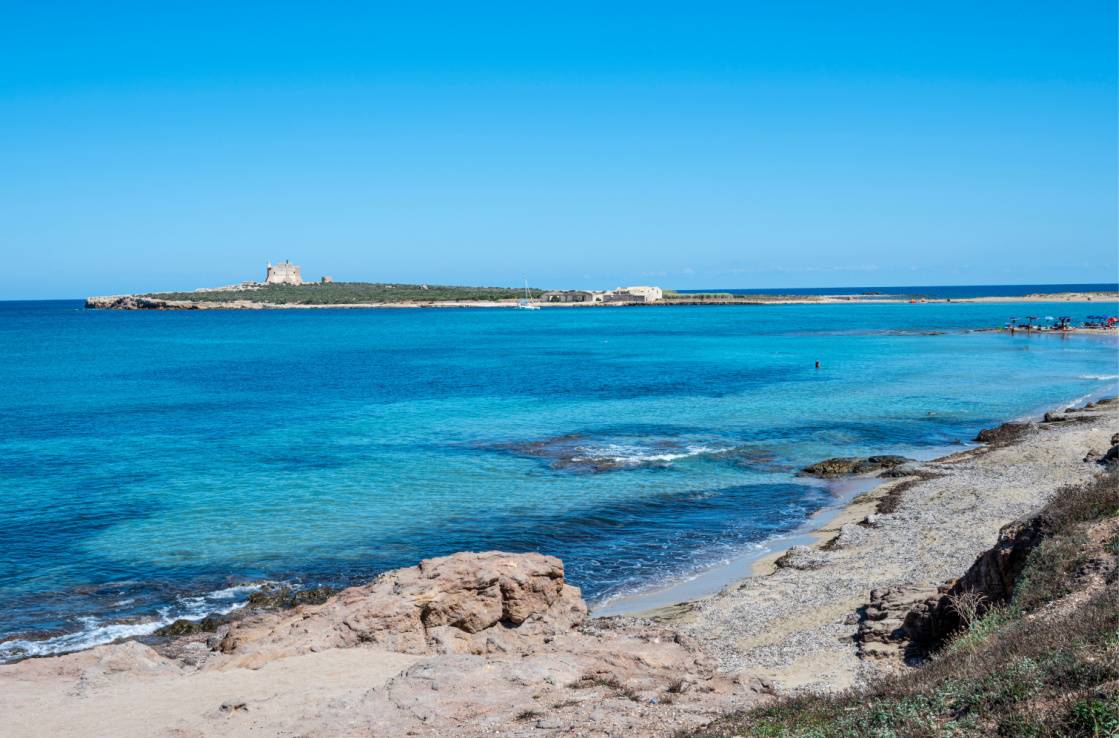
x: 160, y: 464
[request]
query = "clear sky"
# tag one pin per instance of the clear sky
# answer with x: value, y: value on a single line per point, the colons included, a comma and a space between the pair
x: 164, y: 145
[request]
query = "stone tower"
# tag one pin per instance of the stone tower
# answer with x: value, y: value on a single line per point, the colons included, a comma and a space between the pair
x: 285, y: 273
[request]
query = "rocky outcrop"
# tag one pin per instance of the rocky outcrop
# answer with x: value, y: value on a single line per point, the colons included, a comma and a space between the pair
x: 143, y: 302
x: 908, y: 622
x: 135, y: 302
x: 842, y: 466
x: 282, y: 598
x: 911, y: 622
x: 473, y: 644
x: 883, y: 632
x: 1005, y: 434
x: 476, y: 603
x: 182, y: 627
x: 803, y: 558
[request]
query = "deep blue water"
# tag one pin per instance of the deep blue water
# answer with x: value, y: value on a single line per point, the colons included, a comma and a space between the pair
x: 952, y: 292
x: 158, y: 464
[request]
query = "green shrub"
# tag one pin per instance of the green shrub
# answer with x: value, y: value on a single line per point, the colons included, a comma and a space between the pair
x: 1097, y: 717
x: 981, y: 630
x: 1049, y: 571
x: 350, y: 293
x: 1095, y: 500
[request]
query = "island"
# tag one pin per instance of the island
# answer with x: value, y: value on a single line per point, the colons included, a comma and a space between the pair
x: 284, y: 288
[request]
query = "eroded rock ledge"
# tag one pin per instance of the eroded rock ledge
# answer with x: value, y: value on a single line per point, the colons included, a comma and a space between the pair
x: 469, y: 644
x: 476, y: 603
x: 140, y: 302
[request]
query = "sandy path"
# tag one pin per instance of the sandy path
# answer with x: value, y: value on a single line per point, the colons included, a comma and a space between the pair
x: 286, y: 696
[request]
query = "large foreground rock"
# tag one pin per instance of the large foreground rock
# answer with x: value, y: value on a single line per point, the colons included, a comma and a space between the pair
x: 473, y: 644
x: 472, y: 603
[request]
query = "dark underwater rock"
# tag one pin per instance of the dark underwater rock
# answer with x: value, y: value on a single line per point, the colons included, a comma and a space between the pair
x: 182, y: 627
x: 844, y: 465
x: 283, y: 598
x: 1004, y: 434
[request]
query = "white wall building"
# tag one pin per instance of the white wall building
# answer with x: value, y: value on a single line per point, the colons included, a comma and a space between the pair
x: 646, y: 293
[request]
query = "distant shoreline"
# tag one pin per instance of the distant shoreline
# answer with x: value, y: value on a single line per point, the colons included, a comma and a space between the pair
x: 145, y: 302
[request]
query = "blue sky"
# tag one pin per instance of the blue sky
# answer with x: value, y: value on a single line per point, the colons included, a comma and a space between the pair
x: 166, y: 145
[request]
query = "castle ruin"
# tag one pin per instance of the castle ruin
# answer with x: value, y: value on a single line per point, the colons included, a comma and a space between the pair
x: 285, y: 273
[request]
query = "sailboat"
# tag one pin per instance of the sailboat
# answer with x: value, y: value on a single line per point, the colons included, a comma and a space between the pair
x: 526, y: 303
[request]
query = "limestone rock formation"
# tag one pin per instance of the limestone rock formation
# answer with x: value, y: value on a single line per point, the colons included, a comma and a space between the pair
x: 473, y: 603
x: 883, y: 632
x: 804, y: 558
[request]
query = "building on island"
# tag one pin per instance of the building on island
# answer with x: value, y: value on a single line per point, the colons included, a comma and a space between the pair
x: 634, y: 294
x: 620, y: 295
x: 568, y: 296
x: 644, y: 293
x: 285, y: 273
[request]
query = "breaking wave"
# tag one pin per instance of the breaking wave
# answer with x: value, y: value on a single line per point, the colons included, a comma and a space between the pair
x: 624, y: 455
x: 95, y: 631
x: 584, y: 453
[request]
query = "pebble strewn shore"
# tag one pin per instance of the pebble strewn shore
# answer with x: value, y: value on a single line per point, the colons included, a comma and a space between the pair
x: 796, y: 623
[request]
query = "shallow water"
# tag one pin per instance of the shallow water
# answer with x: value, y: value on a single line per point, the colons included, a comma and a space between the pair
x: 158, y: 464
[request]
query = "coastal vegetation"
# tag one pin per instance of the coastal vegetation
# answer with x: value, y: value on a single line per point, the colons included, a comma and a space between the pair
x: 349, y: 293
x: 1043, y: 662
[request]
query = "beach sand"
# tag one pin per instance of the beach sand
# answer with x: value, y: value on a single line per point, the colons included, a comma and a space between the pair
x: 789, y: 627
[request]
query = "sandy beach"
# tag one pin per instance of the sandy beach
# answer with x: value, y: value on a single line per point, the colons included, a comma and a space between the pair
x: 342, y: 668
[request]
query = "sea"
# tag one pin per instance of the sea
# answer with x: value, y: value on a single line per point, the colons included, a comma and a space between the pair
x: 159, y: 465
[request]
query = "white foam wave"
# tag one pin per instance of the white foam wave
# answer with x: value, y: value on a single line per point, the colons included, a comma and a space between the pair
x: 625, y: 455
x: 1100, y: 377
x: 96, y: 632
x: 91, y: 635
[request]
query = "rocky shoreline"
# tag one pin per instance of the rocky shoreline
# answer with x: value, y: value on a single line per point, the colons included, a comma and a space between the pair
x: 500, y: 644
x: 798, y: 625
x: 146, y: 302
